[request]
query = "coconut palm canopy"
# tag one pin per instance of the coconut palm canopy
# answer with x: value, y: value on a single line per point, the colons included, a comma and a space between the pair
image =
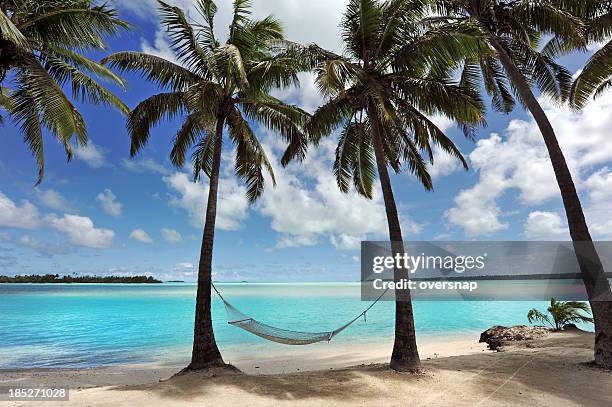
x: 217, y: 85
x: 523, y: 30
x: 214, y: 85
x: 400, y: 69
x: 42, y: 46
x: 596, y: 77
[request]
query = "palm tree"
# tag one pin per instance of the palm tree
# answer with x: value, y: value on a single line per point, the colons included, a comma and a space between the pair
x: 513, y: 30
x: 562, y: 312
x: 381, y: 93
x: 41, y: 51
x: 596, y: 77
x: 213, y: 87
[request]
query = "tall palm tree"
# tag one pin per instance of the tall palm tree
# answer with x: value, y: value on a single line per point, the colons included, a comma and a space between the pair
x: 217, y: 86
x: 41, y: 51
x: 596, y: 77
x: 513, y: 31
x: 381, y: 93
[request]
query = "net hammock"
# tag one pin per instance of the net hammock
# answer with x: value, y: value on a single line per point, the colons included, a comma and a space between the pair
x: 279, y: 335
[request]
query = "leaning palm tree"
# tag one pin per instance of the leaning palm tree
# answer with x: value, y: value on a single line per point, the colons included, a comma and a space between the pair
x: 596, y: 77
x: 562, y: 313
x: 41, y: 51
x: 381, y: 93
x: 513, y: 31
x: 217, y: 86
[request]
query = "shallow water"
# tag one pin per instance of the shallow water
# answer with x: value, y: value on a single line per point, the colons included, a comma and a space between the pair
x: 85, y: 325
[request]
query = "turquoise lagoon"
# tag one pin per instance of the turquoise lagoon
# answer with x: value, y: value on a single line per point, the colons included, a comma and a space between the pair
x: 87, y: 325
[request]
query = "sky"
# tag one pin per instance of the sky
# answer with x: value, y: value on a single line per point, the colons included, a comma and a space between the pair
x: 105, y: 213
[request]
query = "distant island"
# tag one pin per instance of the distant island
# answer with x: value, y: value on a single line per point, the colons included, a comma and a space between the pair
x: 55, y: 278
x: 175, y: 281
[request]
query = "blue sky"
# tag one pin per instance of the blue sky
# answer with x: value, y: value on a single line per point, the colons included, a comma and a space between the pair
x: 104, y: 213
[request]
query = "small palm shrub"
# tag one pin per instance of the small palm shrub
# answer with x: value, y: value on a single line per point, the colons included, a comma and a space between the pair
x: 562, y: 312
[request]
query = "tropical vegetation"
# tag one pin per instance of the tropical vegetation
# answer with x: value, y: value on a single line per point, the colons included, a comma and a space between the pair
x: 515, y: 31
x: 562, y: 313
x: 596, y: 76
x: 42, y: 47
x: 57, y: 279
x: 395, y: 75
x: 212, y: 87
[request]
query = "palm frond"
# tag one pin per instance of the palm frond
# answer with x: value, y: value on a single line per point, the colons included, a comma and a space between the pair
x: 150, y: 112
x: 155, y: 69
x: 251, y: 158
x: 10, y: 32
x: 183, y: 39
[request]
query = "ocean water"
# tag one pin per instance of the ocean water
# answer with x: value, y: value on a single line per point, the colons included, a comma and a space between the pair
x: 86, y: 325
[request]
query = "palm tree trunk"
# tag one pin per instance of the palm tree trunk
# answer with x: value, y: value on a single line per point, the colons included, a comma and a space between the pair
x: 405, y: 355
x: 595, y: 280
x: 205, y: 352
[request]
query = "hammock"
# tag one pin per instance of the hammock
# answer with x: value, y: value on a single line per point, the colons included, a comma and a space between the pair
x: 284, y: 336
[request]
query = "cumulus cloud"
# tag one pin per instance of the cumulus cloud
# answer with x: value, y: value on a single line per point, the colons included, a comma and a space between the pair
x: 41, y: 247
x: 545, y: 226
x: 171, y: 235
x: 80, y: 231
x: 307, y: 206
x: 12, y: 215
x: 91, y: 154
x: 109, y: 203
x: 518, y: 161
x: 53, y: 199
x: 192, y: 197
x: 141, y: 166
x: 141, y: 236
x: 599, y: 185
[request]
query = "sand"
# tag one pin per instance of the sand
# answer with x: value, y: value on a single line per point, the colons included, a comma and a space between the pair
x: 548, y: 372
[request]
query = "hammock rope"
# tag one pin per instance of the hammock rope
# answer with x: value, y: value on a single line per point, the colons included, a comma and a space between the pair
x: 288, y: 337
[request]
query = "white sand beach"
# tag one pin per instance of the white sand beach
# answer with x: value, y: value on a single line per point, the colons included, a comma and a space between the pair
x: 545, y: 372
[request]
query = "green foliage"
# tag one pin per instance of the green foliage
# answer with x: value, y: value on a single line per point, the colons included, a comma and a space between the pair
x: 398, y: 69
x: 41, y: 46
x: 596, y: 76
x: 562, y: 313
x: 518, y: 27
x: 55, y: 278
x: 216, y: 83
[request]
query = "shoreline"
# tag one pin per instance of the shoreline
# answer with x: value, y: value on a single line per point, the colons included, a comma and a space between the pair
x: 543, y: 372
x: 270, y: 359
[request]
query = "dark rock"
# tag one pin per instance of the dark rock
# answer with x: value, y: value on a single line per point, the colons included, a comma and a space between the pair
x: 497, y: 336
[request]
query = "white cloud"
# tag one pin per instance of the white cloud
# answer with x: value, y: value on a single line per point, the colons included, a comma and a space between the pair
x: 307, y: 206
x: 545, y: 226
x: 109, y: 203
x: 185, y: 269
x: 171, y: 235
x: 143, y: 166
x: 291, y: 13
x: 43, y: 248
x: 444, y: 163
x: 91, y: 154
x: 80, y: 231
x: 53, y: 199
x: 519, y: 161
x: 141, y: 8
x: 600, y: 202
x: 25, y: 216
x: 306, y: 96
x: 160, y: 47
x: 141, y: 236
x: 192, y: 197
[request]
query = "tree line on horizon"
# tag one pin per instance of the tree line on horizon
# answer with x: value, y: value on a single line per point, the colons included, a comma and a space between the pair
x: 56, y: 278
x: 404, y: 61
